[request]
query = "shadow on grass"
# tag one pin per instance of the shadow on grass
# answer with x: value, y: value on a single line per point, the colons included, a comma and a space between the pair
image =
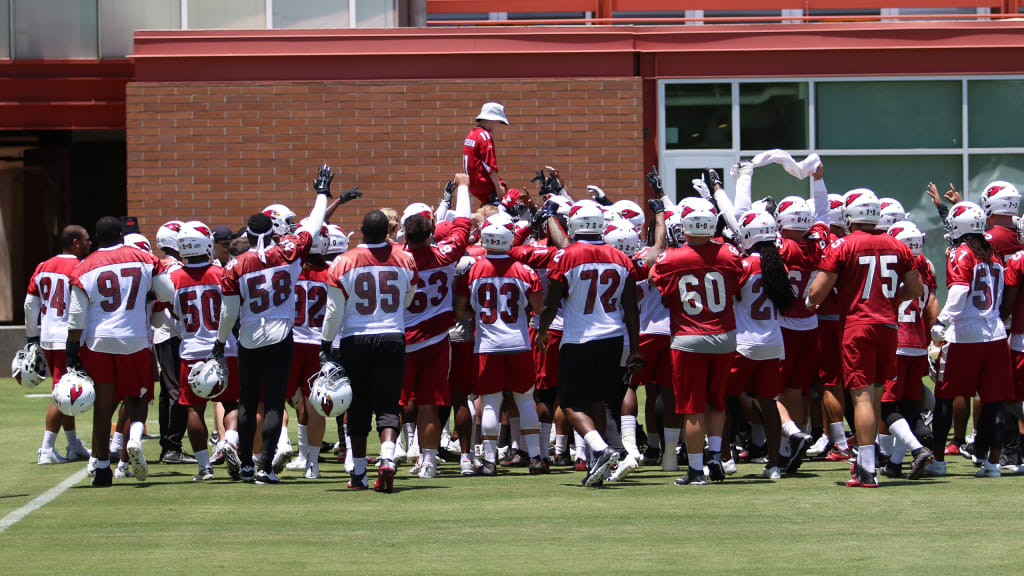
x: 398, y: 488
x: 2, y: 496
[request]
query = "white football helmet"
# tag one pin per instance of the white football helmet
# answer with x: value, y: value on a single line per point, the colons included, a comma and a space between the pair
x: 167, y: 235
x: 907, y: 232
x: 623, y: 237
x: 500, y: 219
x: 697, y: 217
x: 282, y: 219
x: 414, y: 209
x: 794, y: 213
x: 208, y: 378
x: 586, y: 217
x: 138, y: 241
x: 756, y: 227
x: 29, y: 366
x: 633, y: 212
x: 193, y: 241
x: 965, y: 218
x: 890, y: 212
x: 1000, y: 197
x: 563, y: 205
x: 496, y: 237
x: 835, y: 210
x: 337, y: 240
x: 74, y: 393
x: 331, y: 392
x: 321, y: 240
x: 860, y: 206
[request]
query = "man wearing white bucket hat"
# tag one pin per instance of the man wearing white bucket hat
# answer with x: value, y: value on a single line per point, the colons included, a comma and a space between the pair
x: 478, y: 155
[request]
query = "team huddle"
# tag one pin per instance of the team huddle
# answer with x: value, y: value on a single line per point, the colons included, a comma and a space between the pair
x: 755, y: 327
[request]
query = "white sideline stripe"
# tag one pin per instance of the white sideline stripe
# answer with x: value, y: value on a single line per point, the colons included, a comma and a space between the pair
x: 42, y: 500
x: 37, y: 395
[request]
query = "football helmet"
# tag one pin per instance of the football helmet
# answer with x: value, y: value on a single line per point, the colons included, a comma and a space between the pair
x: 835, y: 210
x: 631, y: 211
x: 794, y: 213
x: 496, y: 237
x: 321, y: 240
x: 208, y: 378
x: 1000, y: 197
x: 965, y: 218
x: 414, y: 209
x: 586, y: 217
x: 29, y: 365
x: 890, y: 212
x: 331, y: 392
x: 623, y: 237
x: 907, y: 232
x: 674, y: 229
x: 756, y: 227
x: 193, y: 241
x: 500, y: 219
x: 74, y: 393
x: 167, y: 235
x: 282, y: 219
x: 138, y: 241
x: 697, y: 217
x: 860, y: 206
x: 337, y: 240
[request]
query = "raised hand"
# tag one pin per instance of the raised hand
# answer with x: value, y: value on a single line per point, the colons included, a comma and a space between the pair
x: 933, y: 193
x: 322, y: 184
x: 655, y: 181
x: 701, y: 187
x: 350, y: 195
x: 952, y: 195
x: 657, y: 205
x: 449, y: 190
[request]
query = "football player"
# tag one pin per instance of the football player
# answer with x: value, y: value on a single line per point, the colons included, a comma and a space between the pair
x: 836, y: 448
x: 46, y: 325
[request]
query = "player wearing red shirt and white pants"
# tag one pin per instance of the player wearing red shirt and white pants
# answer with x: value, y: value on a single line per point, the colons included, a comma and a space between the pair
x: 698, y: 282
x: 596, y: 286
x: 369, y: 288
x: 496, y: 292
x: 478, y: 156
x: 867, y: 266
x: 975, y: 357
x: 108, y: 305
x: 259, y: 290
x: 46, y: 324
x: 428, y: 319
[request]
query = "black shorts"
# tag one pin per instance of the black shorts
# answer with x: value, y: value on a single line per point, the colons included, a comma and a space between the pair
x: 375, y: 365
x: 589, y: 373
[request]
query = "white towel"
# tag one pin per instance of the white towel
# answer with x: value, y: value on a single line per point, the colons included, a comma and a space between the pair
x: 799, y: 170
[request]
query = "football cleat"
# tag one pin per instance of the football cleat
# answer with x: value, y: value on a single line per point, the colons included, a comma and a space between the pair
x: 140, y: 469
x: 988, y: 470
x: 428, y: 471
x: 625, y: 467
x: 358, y: 481
x: 539, y: 465
x: 90, y: 467
x: 953, y: 449
x: 217, y: 458
x: 176, y: 457
x: 103, y: 477
x: 580, y: 465
x: 715, y: 471
x: 922, y: 458
x: 263, y: 478
x: 233, y: 462
x: 651, y: 457
x: 729, y: 467
x: 693, y: 478
x: 247, y: 474
x: 602, y: 462
x: 771, y: 473
x: 519, y: 459
x: 312, y: 471
x: 204, y: 474
x: 416, y: 469
x: 281, y: 457
x: 487, y: 469
x: 893, y: 470
x: 820, y: 447
x: 297, y: 463
x: 798, y: 444
x: 46, y: 456
x: 466, y: 468
x: 859, y: 478
x: 837, y: 454
x: 123, y: 470
x: 77, y: 452
x: 385, y: 477
x: 562, y: 459
x: 936, y: 468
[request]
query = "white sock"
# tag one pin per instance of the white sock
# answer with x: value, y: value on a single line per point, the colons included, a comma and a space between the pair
x: 283, y: 440
x: 103, y: 463
x: 594, y: 441
x: 885, y: 444
x: 561, y: 443
x: 866, y: 458
x: 671, y: 441
x: 232, y: 437
x: 581, y: 447
x: 313, y: 456
x: 135, y: 431
x: 837, y: 434
x: 49, y: 439
x: 387, y: 450
x: 514, y: 432
x: 491, y: 450
x: 899, y: 450
x: 358, y: 466
x: 629, y: 435
x: 696, y: 461
x: 466, y: 457
x: 545, y: 439
x: 430, y: 456
x: 533, y: 445
x: 72, y: 437
x: 901, y: 430
x: 117, y: 441
x: 203, y: 458
x: 790, y: 428
x: 654, y: 440
x: 303, y: 440
x: 410, y: 434
x: 715, y: 444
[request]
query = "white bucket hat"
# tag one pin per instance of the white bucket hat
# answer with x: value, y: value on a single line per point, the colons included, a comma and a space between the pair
x: 493, y: 111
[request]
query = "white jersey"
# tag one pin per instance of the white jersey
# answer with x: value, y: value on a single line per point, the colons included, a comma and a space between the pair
x: 51, y: 283
x: 310, y: 305
x: 595, y: 274
x: 374, y: 280
x: 758, y: 330
x: 653, y: 313
x: 164, y: 327
x: 196, y: 304
x: 497, y: 288
x: 972, y: 303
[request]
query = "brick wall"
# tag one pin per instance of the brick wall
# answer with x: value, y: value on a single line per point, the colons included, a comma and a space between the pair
x: 220, y: 152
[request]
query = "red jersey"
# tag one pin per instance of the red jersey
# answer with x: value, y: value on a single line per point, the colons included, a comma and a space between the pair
x: 478, y: 160
x: 497, y: 287
x: 267, y: 289
x: 594, y: 275
x: 375, y: 279
x: 870, y: 266
x: 1004, y: 241
x: 429, y: 316
x: 51, y: 283
x: 829, y: 309
x: 1014, y: 276
x: 802, y: 258
x: 476, y: 251
x: 310, y: 304
x: 697, y: 284
x: 914, y: 329
x: 538, y: 256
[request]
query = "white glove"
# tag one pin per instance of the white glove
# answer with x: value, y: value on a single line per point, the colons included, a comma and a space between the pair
x: 938, y: 332
x: 701, y: 187
x: 595, y: 191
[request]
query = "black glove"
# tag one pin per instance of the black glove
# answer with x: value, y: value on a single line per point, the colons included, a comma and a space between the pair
x: 349, y: 195
x: 657, y: 205
x: 218, y: 351
x: 32, y: 340
x: 540, y: 218
x: 655, y: 181
x: 329, y: 354
x: 322, y: 184
x: 73, y: 361
x: 555, y: 185
x: 714, y: 179
x: 769, y: 204
x: 449, y: 190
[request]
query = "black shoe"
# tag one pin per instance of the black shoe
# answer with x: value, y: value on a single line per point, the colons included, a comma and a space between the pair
x: 487, y: 469
x: 214, y: 438
x: 267, y: 478
x: 652, y: 456
x: 798, y: 445
x: 922, y: 458
x: 539, y: 465
x: 882, y: 459
x: 893, y: 470
x: 518, y: 460
x: 755, y: 454
x: 603, y: 461
x: 248, y: 474
x: 693, y: 478
x: 681, y: 459
x: 715, y: 470
x: 103, y: 477
x: 563, y: 459
x: 177, y: 457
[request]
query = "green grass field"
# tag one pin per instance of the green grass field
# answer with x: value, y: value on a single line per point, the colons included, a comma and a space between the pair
x: 513, y: 523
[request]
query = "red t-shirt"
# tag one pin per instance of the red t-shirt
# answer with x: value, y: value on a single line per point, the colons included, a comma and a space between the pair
x: 802, y: 258
x: 1014, y: 275
x: 914, y: 329
x: 1003, y: 241
x: 479, y: 160
x: 429, y: 315
x: 697, y: 285
x: 870, y: 266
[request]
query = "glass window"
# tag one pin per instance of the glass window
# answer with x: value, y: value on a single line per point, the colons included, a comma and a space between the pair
x: 889, y: 114
x: 119, y: 19
x: 773, y: 115
x: 995, y: 117
x: 5, y: 28
x: 54, y: 29
x: 773, y: 180
x: 213, y: 14
x: 698, y: 116
x: 985, y: 168
x: 683, y: 177
x: 311, y: 14
x: 376, y: 14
